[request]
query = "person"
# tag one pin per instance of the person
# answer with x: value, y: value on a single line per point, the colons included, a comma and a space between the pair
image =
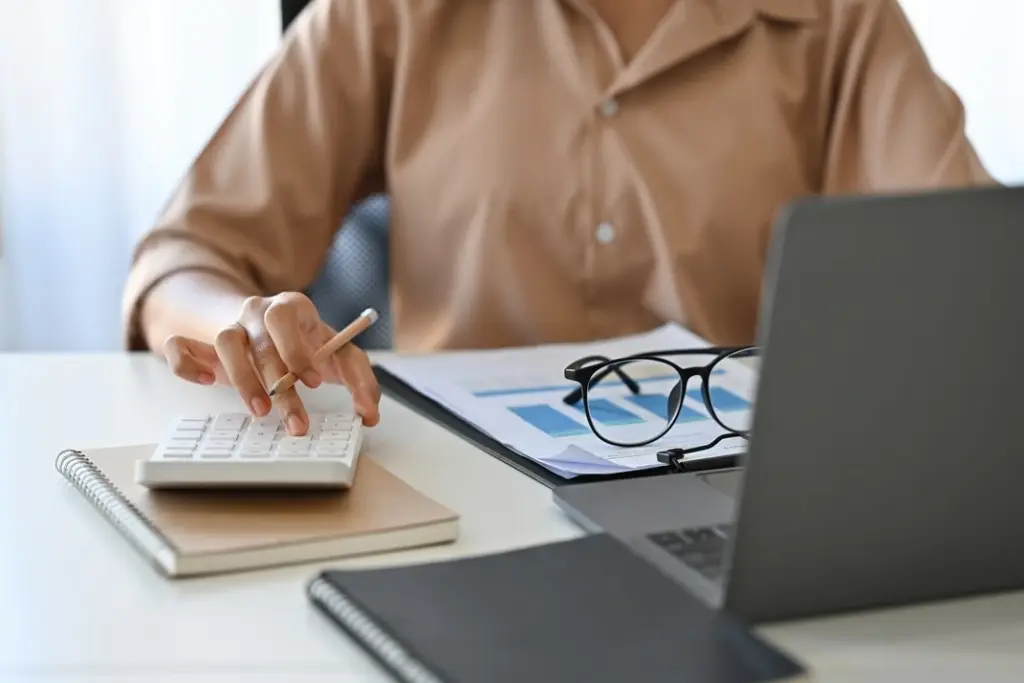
x: 557, y: 170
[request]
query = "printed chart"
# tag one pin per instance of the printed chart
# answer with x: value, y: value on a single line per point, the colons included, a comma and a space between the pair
x: 554, y: 419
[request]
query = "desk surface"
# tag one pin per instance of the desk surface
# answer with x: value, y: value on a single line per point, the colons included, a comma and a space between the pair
x: 77, y: 603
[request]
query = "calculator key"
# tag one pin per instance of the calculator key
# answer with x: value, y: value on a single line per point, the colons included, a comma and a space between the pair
x: 215, y: 453
x: 224, y: 434
x: 220, y: 443
x: 233, y: 421
x: 332, y: 443
x: 183, y: 442
x: 334, y: 434
x: 177, y: 452
x: 189, y: 429
x: 248, y: 452
x: 330, y: 451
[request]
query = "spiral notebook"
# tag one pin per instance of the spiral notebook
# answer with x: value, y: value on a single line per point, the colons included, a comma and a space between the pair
x: 586, y: 609
x: 183, y: 533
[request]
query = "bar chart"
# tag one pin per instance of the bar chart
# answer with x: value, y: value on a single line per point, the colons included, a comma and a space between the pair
x: 557, y: 420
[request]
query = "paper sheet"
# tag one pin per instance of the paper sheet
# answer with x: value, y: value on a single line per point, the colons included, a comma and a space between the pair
x: 515, y: 396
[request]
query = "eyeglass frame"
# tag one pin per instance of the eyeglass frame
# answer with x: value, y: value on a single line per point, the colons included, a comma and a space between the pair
x: 585, y: 371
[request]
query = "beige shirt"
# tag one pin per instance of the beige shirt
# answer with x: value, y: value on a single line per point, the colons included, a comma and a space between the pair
x: 543, y: 187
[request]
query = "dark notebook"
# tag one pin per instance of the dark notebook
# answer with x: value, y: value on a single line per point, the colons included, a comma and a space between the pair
x: 586, y: 609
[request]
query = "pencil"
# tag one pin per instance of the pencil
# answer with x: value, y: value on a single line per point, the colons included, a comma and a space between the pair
x: 365, y: 319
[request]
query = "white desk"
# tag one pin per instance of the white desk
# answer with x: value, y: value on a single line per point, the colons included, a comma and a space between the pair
x: 77, y: 603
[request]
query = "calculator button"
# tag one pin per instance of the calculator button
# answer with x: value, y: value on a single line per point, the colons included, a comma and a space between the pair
x: 224, y: 434
x: 334, y: 434
x: 188, y: 429
x: 248, y: 452
x: 232, y: 421
x: 325, y: 451
x: 220, y: 443
x: 215, y: 453
x: 332, y: 443
x: 177, y: 452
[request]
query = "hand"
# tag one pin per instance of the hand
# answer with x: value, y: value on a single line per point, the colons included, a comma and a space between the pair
x: 271, y: 337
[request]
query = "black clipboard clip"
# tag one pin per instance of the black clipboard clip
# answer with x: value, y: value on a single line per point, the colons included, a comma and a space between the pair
x: 676, y: 460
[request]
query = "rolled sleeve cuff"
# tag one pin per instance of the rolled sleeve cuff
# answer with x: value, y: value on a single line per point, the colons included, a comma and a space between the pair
x: 157, y: 262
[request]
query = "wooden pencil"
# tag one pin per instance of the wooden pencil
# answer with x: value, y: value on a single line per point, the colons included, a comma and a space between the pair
x: 353, y: 329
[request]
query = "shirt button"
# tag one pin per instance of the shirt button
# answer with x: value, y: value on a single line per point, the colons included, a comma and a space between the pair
x: 605, y: 233
x: 609, y: 108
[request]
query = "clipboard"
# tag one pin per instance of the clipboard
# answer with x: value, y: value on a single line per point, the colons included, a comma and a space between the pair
x: 400, y: 391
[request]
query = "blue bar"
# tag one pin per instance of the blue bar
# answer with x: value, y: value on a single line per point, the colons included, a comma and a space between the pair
x: 550, y: 421
x: 658, y: 404
x: 566, y: 388
x: 721, y: 399
x: 604, y: 411
x: 486, y: 393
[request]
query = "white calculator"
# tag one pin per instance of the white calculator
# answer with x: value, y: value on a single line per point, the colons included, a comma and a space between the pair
x: 238, y: 450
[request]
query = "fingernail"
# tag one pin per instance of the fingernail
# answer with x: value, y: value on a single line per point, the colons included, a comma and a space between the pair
x: 311, y: 378
x: 295, y: 424
x: 259, y: 406
x: 205, y: 378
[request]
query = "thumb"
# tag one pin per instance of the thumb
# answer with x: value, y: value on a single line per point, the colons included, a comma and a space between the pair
x: 193, y: 360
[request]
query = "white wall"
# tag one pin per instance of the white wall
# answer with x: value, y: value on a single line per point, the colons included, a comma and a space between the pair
x: 104, y: 104
x: 5, y: 294
x: 978, y: 47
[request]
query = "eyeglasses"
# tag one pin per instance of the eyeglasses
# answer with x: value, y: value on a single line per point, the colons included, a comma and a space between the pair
x: 657, y: 387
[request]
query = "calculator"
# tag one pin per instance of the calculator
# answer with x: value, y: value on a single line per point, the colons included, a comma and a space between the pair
x: 238, y: 450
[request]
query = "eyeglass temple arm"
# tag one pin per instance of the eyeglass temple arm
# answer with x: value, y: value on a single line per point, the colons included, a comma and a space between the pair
x: 571, y: 371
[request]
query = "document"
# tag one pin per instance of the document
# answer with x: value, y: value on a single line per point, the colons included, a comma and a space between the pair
x: 516, y: 396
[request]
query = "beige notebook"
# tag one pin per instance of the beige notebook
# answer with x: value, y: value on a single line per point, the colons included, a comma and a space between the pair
x: 204, y: 532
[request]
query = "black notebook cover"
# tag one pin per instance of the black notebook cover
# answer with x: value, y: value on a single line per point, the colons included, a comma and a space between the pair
x: 431, y: 409
x: 586, y: 609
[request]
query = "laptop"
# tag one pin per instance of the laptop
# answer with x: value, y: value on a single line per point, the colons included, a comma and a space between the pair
x: 885, y: 465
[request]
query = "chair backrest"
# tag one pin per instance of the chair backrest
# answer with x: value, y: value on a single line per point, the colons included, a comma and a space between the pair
x: 289, y: 10
x: 355, y: 274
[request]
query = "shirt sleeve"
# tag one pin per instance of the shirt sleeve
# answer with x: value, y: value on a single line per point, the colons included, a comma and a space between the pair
x: 261, y: 203
x: 895, y: 125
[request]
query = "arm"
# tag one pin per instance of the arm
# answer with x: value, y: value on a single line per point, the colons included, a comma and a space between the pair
x: 257, y: 211
x: 894, y: 124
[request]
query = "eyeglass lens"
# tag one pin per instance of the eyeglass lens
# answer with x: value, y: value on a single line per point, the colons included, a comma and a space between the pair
x: 732, y: 410
x: 621, y: 416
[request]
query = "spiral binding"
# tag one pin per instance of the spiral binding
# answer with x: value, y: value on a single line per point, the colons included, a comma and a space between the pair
x: 105, y: 497
x: 353, y: 619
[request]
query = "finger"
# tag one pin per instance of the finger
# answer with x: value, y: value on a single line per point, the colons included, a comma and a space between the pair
x: 357, y: 373
x: 288, y: 326
x: 271, y: 368
x: 206, y: 354
x: 232, y: 345
x: 180, y: 354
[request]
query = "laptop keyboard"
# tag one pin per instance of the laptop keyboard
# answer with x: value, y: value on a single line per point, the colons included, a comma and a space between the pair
x: 700, y: 548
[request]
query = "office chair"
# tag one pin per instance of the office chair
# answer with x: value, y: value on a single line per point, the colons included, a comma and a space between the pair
x: 355, y: 274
